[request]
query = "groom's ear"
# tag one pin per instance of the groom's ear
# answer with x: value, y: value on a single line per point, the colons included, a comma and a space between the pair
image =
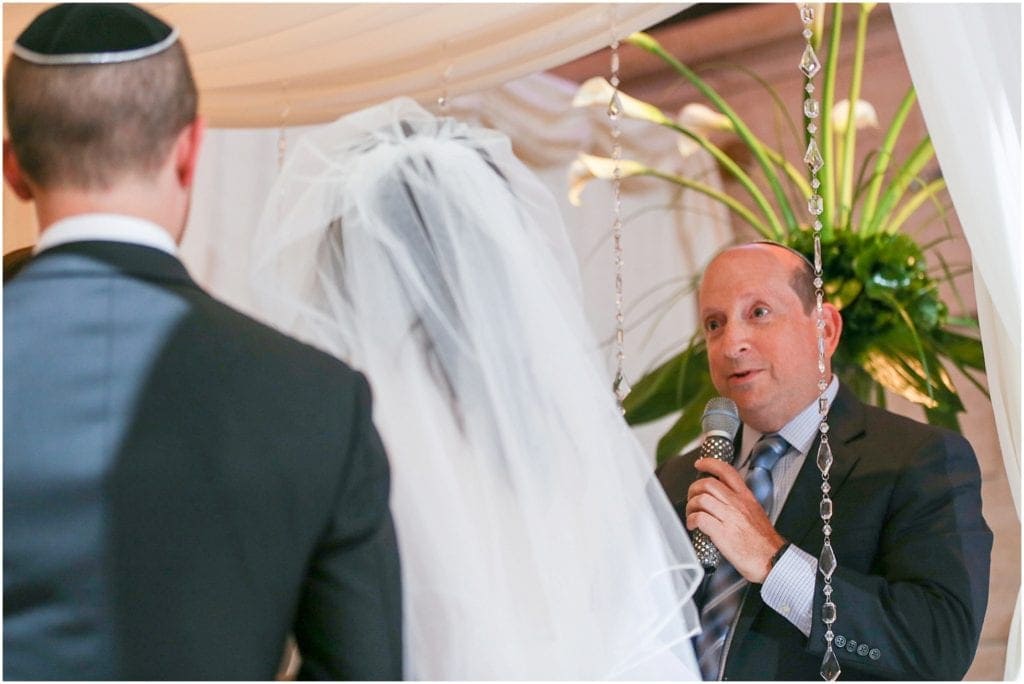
x: 186, y: 151
x: 13, y: 174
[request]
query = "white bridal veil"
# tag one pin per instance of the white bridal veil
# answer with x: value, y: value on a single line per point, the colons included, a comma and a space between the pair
x: 535, y: 541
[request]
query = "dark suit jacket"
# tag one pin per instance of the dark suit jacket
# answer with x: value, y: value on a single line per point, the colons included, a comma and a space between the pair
x: 183, y: 486
x: 913, y: 551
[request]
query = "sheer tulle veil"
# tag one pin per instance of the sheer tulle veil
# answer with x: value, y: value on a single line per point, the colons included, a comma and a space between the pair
x: 535, y: 541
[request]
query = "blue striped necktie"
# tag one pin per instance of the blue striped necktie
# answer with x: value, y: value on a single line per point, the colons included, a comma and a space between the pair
x: 724, y: 591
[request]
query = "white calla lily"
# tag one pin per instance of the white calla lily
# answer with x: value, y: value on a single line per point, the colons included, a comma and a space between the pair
x: 587, y: 167
x: 864, y: 115
x: 703, y: 119
x: 598, y: 92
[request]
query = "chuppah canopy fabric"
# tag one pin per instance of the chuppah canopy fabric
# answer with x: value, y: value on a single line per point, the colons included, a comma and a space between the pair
x: 264, y: 65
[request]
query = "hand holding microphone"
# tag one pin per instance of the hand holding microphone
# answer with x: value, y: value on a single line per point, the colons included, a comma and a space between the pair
x: 720, y: 423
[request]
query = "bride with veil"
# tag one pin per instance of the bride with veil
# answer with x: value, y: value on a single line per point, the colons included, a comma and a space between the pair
x: 535, y: 541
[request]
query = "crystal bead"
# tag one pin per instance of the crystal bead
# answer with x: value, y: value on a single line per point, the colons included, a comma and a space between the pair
x: 814, y: 204
x: 821, y: 348
x: 823, y: 428
x: 821, y: 366
x: 809, y: 63
x: 827, y: 561
x: 815, y: 183
x: 829, y: 635
x: 621, y: 387
x: 442, y: 102
x: 828, y: 612
x: 827, y: 530
x: 826, y: 508
x: 812, y: 157
x: 808, y: 33
x: 826, y: 487
x: 821, y: 326
x: 806, y: 14
x: 817, y: 246
x: 827, y: 591
x: 817, y: 225
x: 614, y: 80
x: 812, y: 128
x: 830, y: 669
x: 809, y: 87
x: 615, y: 62
x: 811, y: 108
x: 615, y: 107
x: 822, y: 405
x: 822, y: 385
x: 818, y: 282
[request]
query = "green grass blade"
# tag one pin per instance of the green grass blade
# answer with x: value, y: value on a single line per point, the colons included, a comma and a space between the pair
x: 850, y: 135
x: 921, y: 155
x: 646, y: 42
x: 885, y: 156
x: 827, y: 175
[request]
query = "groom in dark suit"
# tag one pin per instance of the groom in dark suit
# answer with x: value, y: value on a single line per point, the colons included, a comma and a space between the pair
x: 913, y: 551
x: 183, y: 487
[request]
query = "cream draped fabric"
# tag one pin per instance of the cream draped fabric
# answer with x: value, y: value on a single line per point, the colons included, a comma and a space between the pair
x: 261, y: 64
x: 965, y: 62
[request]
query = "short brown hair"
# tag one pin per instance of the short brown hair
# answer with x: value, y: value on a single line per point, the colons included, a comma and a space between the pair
x: 85, y: 126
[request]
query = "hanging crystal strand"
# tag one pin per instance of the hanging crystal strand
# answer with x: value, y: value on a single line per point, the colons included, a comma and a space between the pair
x: 810, y: 66
x: 446, y: 77
x: 282, y: 132
x: 620, y: 385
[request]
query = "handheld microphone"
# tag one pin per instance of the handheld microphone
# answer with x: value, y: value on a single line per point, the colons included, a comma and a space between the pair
x: 720, y: 422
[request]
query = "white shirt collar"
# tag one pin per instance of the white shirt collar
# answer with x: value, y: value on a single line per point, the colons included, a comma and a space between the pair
x: 802, y: 430
x: 107, y: 227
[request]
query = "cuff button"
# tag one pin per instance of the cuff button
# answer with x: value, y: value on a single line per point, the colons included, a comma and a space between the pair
x: 874, y: 654
x: 862, y: 650
x: 840, y: 641
x: 851, y: 646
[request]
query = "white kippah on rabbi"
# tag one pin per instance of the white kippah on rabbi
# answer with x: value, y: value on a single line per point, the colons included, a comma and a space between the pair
x: 93, y: 33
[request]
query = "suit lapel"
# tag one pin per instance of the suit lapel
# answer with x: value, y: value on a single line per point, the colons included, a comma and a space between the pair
x: 800, y: 514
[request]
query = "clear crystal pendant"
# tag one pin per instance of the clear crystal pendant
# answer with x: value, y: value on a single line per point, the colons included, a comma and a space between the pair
x: 806, y: 14
x: 824, y: 457
x: 827, y: 561
x: 809, y: 63
x: 811, y: 108
x: 828, y: 612
x: 830, y: 669
x: 621, y: 387
x: 826, y: 509
x: 812, y: 157
x: 615, y: 107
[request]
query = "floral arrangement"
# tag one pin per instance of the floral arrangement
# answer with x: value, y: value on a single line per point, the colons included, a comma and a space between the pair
x: 898, y: 333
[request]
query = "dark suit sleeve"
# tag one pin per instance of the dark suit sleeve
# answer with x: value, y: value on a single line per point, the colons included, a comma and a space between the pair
x: 349, y: 624
x: 917, y: 612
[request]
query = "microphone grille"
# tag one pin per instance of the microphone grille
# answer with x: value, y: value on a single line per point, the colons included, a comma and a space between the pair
x: 721, y: 415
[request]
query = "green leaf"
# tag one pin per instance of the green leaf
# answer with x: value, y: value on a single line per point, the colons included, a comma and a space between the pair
x: 885, y: 155
x: 670, y: 387
x: 963, y: 350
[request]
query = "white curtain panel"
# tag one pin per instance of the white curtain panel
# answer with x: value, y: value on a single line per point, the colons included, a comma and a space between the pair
x: 965, y: 62
x: 264, y: 64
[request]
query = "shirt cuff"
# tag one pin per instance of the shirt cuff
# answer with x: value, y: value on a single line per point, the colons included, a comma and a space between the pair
x: 789, y: 587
